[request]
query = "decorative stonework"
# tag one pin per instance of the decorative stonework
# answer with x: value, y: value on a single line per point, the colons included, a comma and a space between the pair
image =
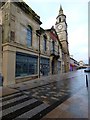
x: 61, y: 29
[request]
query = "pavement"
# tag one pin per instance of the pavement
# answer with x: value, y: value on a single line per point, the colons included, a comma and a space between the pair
x: 55, y: 96
x: 74, y: 107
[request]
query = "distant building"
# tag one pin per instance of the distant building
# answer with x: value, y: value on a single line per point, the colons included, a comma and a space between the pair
x: 73, y: 64
x: 81, y: 64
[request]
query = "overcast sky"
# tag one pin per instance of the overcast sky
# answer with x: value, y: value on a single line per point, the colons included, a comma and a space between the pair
x: 77, y: 20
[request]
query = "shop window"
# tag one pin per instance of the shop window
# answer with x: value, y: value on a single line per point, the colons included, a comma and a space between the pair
x: 44, y: 66
x: 26, y: 64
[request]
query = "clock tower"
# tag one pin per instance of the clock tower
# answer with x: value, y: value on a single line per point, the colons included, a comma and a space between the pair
x: 61, y: 29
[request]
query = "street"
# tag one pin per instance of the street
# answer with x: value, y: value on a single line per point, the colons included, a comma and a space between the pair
x: 36, y: 98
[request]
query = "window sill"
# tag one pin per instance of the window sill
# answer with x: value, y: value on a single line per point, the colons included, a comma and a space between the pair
x: 21, y: 77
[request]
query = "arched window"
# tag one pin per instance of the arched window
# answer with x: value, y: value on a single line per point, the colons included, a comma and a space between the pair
x: 29, y: 36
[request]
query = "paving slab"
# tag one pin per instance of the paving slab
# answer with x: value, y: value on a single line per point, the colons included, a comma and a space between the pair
x: 74, y: 107
x: 4, y: 91
x: 51, y: 92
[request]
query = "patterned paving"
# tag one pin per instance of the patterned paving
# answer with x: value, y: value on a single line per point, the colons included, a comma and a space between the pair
x: 19, y: 105
x: 37, y: 102
x: 56, y: 91
x: 48, y: 93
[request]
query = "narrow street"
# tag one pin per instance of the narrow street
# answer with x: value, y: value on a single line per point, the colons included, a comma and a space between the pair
x: 37, y: 98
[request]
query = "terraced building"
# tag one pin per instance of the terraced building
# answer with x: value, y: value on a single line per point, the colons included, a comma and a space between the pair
x: 27, y: 51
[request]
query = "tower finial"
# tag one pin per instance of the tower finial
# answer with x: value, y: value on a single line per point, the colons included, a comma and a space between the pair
x: 60, y: 10
x: 61, y: 7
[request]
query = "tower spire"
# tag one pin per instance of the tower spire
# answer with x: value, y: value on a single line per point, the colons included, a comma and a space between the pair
x: 61, y: 7
x: 60, y: 10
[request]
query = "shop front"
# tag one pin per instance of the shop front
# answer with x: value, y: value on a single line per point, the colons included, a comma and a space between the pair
x: 44, y: 66
x: 26, y: 65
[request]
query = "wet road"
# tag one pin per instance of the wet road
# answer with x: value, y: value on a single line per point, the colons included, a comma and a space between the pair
x: 37, y: 101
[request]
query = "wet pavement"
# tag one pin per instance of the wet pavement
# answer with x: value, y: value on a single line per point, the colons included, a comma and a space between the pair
x: 54, y: 91
x: 36, y: 98
x: 74, y: 107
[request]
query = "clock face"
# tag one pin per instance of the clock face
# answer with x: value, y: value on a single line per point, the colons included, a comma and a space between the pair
x: 59, y: 26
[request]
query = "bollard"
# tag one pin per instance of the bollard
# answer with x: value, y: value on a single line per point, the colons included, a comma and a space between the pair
x: 86, y: 81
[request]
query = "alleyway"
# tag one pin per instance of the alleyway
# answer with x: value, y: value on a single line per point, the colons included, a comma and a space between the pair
x: 57, y: 96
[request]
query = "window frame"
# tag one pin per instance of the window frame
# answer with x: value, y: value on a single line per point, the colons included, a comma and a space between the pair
x: 31, y: 63
x: 29, y: 36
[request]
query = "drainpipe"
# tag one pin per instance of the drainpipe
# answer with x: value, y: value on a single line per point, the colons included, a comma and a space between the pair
x: 39, y: 55
x: 39, y: 34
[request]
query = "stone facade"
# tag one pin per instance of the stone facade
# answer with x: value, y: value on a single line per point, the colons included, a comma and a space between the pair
x: 61, y: 28
x: 15, y: 23
x: 29, y: 51
x: 54, y: 51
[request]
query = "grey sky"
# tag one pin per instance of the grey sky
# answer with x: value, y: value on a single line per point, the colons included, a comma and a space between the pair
x: 77, y: 20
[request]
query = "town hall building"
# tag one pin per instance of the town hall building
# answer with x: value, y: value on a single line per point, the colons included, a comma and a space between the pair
x: 28, y: 51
